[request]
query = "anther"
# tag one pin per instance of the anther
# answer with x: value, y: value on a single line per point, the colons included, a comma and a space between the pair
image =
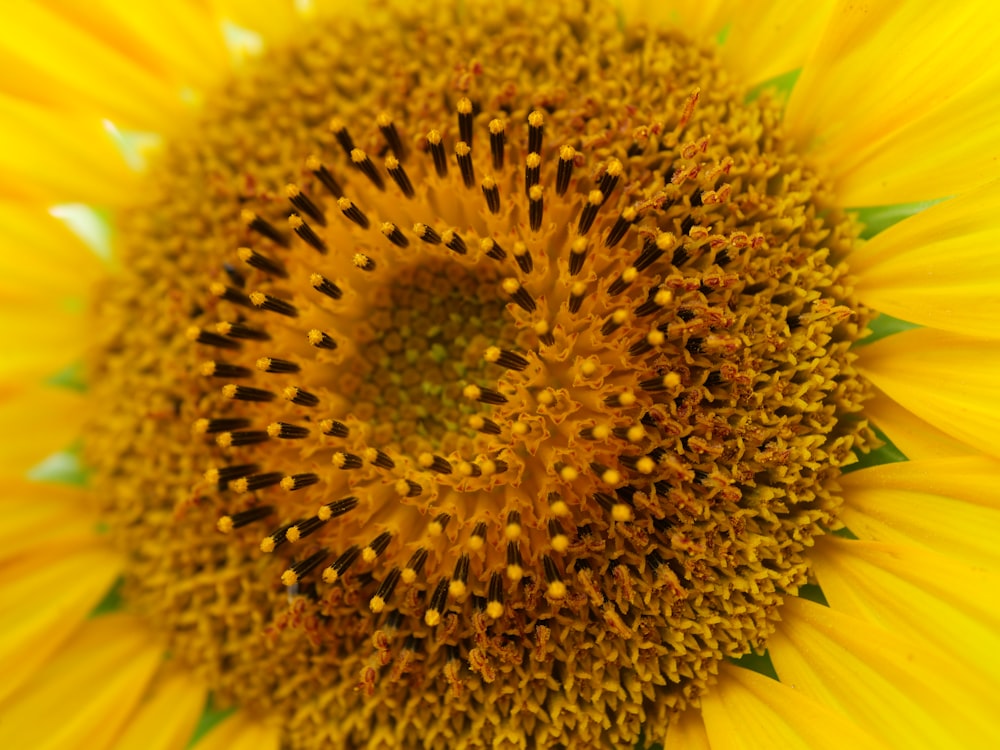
x: 334, y: 428
x: 544, y: 332
x: 256, y: 482
x: 287, y: 431
x: 505, y: 358
x: 439, y: 600
x: 298, y: 396
x: 434, y: 463
x: 263, y: 228
x: 234, y: 276
x: 492, y: 249
x: 522, y: 255
x: 408, y: 488
x: 653, y: 250
x: 651, y: 340
x: 227, y: 523
x: 623, y: 399
x: 415, y: 565
x: 494, y: 596
x: 304, y: 203
x: 222, y: 370
x: 384, y: 592
x: 557, y: 536
x: 624, y: 280
x: 391, y: 134
x: 212, y: 426
x: 306, y: 233
x: 519, y: 294
x: 459, y: 578
x: 454, y: 242
x: 484, y: 425
x: 241, y: 331
x: 535, y: 207
x: 515, y: 565
x: 536, y: 124
x: 660, y: 298
x: 324, y: 286
x: 353, y: 213
x: 577, y: 255
x: 246, y: 393
x: 436, y: 146
x: 363, y: 262
x: 512, y: 531
x: 337, y: 508
x: 275, y: 365
x: 240, y: 438
x: 595, y: 198
x: 609, y: 181
x: 463, y: 154
x: 465, y: 120
x: 427, y: 234
x: 274, y: 540
x: 295, y: 482
x: 614, y: 321
x: 392, y: 233
x: 621, y: 226
x: 339, y: 130
x: 229, y: 294
x: 484, y: 395
x: 301, y: 529
x: 564, y: 172
x: 497, y: 140
x: 556, y: 588
x: 379, y: 458
x: 366, y: 166
x: 492, y: 194
x: 478, y: 536
x: 597, y: 432
x: 532, y: 171
x: 314, y: 165
x: 341, y: 564
x: 222, y: 477
x: 576, y: 294
x: 346, y: 461
x: 376, y: 547
x: 662, y: 383
x: 320, y: 340
x: 208, y: 338
x: 301, y: 569
x: 399, y: 176
x: 264, y: 301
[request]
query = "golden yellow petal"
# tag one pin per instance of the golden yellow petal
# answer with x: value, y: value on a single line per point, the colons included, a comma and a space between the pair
x: 912, y: 435
x: 879, y: 67
x: 39, y: 515
x: 895, y: 688
x: 272, y: 20
x: 39, y: 339
x: 60, y: 65
x: 947, y: 505
x: 771, y: 37
x: 37, y: 421
x: 944, y: 378
x: 167, y: 717
x: 178, y: 41
x: 923, y: 595
x: 940, y: 267
x: 240, y: 732
x: 45, y: 595
x: 57, y: 157
x: 86, y: 693
x: 747, y: 710
x: 687, y: 732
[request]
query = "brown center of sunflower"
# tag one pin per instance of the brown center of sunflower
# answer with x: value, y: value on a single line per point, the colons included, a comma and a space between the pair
x: 518, y: 374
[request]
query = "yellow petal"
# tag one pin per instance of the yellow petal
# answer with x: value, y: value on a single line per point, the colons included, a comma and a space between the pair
x: 51, y: 157
x: 912, y: 435
x: 944, y: 378
x: 748, y: 711
x: 178, y: 41
x: 940, y: 267
x: 167, y: 718
x: 38, y: 421
x: 40, y: 258
x: 240, y: 732
x: 881, y: 66
x: 950, y: 506
x: 42, y: 515
x: 923, y: 595
x: 895, y: 688
x: 84, y: 695
x: 59, y: 65
x: 687, y: 732
x: 46, y: 593
x: 273, y: 20
x: 40, y: 339
x: 771, y: 37
x: 699, y: 20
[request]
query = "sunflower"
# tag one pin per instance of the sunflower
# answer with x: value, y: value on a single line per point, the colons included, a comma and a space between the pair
x: 499, y: 375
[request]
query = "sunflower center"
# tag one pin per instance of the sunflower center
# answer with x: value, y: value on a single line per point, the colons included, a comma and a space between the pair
x: 518, y: 375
